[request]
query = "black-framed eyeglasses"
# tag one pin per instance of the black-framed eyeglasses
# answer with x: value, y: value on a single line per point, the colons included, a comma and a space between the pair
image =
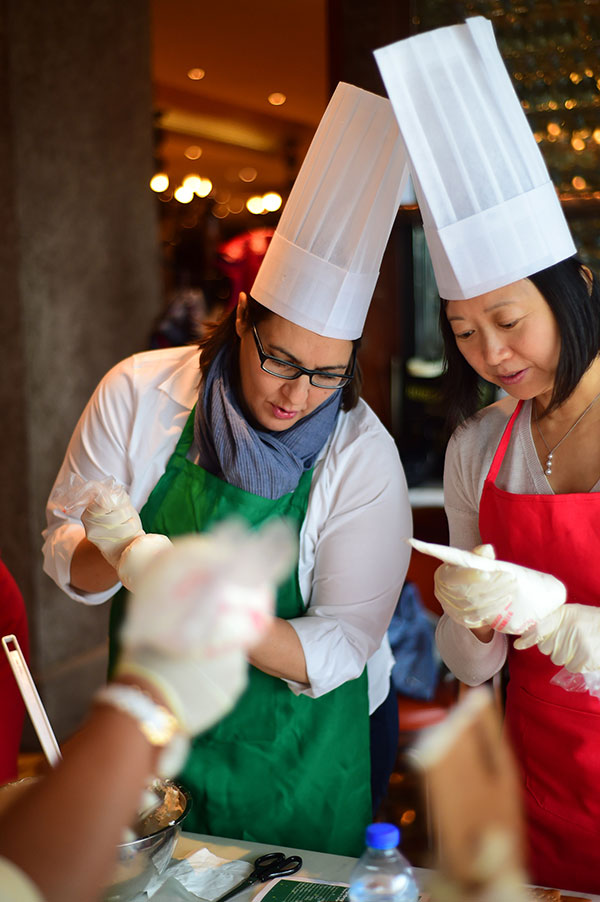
x: 286, y: 370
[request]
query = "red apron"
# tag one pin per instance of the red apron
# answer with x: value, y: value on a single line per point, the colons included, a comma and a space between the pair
x: 555, y: 734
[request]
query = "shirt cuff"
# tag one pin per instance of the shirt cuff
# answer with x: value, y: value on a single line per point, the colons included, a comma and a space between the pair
x: 16, y: 884
x: 58, y: 554
x: 330, y: 657
x: 470, y: 660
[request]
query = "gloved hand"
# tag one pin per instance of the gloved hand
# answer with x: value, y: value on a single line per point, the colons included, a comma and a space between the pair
x: 113, y: 525
x: 476, y: 590
x: 570, y: 635
x: 201, y: 604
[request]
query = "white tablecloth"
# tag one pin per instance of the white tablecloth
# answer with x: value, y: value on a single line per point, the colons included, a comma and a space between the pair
x: 333, y: 868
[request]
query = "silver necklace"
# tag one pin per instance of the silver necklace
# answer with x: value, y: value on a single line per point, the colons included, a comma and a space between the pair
x: 548, y: 464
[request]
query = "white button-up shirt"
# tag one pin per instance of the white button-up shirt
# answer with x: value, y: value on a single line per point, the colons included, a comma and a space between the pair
x: 353, y: 557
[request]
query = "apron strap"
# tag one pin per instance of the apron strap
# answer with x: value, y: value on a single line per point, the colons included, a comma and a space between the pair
x: 501, y: 449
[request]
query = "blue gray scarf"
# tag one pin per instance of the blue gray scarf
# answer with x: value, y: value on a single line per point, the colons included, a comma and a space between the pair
x: 259, y: 461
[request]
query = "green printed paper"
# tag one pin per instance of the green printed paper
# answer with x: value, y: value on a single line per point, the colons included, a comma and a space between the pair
x: 305, y: 891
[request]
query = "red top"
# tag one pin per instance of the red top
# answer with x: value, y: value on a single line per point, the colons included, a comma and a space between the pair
x: 13, y: 620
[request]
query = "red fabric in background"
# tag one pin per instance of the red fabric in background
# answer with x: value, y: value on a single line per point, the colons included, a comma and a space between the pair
x: 240, y: 259
x: 13, y: 620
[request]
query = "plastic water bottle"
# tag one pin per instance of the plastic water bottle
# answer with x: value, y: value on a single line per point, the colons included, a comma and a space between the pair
x: 382, y: 873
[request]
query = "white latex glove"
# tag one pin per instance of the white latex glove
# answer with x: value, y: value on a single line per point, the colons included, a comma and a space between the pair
x: 197, y: 689
x: 210, y: 592
x: 571, y: 636
x: 111, y: 523
x: 201, y: 604
x: 476, y: 590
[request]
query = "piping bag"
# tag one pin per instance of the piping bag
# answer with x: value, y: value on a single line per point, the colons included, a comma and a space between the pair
x: 75, y: 493
x: 536, y: 611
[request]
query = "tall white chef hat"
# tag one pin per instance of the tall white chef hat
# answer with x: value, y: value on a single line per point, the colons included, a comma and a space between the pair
x: 490, y: 212
x: 323, y: 261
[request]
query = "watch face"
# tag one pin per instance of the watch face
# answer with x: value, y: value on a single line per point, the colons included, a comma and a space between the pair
x: 160, y: 728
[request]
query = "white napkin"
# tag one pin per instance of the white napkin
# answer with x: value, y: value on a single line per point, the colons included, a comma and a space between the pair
x: 200, y: 876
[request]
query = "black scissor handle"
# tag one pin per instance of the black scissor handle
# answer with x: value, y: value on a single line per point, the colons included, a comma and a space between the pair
x: 275, y: 864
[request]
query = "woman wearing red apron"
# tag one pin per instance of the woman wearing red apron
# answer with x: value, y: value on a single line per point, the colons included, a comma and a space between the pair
x: 521, y: 313
x: 503, y: 488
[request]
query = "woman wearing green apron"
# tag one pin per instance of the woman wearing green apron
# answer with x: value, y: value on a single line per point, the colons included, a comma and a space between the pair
x: 273, y: 426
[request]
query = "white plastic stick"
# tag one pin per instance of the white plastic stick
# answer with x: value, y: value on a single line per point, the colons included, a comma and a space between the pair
x: 32, y: 700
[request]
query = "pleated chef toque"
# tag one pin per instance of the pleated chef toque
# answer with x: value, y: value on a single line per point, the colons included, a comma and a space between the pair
x: 490, y: 212
x: 323, y: 261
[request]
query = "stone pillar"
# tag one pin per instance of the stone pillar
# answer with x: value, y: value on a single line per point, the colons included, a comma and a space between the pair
x: 356, y: 29
x: 79, y: 268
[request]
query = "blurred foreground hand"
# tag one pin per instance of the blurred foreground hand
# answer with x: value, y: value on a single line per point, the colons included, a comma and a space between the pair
x: 199, y: 606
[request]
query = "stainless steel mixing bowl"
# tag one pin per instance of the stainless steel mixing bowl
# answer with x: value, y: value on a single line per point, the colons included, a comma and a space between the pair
x: 141, y: 859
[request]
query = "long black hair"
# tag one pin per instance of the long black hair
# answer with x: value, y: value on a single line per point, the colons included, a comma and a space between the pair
x: 573, y: 294
x: 223, y: 332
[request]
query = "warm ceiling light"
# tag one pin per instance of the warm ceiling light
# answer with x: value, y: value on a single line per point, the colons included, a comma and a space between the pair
x: 204, y: 188
x: 276, y: 98
x: 248, y: 174
x: 577, y: 144
x: 159, y: 182
x: 196, y: 74
x: 272, y: 201
x: 255, y: 204
x: 596, y: 135
x: 579, y: 183
x: 183, y: 194
x: 192, y: 183
x: 193, y: 152
x: 553, y: 128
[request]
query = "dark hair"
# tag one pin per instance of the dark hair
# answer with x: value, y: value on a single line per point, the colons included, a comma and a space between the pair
x: 573, y: 295
x: 223, y: 332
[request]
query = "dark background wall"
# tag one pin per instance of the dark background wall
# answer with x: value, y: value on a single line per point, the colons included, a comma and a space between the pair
x: 79, y: 275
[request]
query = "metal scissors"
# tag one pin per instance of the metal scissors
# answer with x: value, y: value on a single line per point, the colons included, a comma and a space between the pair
x: 267, y: 867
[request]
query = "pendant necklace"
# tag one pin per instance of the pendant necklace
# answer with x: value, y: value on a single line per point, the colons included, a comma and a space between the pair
x: 548, y: 464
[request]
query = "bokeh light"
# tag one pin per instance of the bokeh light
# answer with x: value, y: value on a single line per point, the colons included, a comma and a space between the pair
x: 247, y: 174
x: 159, y: 182
x: 255, y: 204
x: 272, y: 201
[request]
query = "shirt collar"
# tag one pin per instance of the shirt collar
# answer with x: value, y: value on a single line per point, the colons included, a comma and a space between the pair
x: 182, y: 383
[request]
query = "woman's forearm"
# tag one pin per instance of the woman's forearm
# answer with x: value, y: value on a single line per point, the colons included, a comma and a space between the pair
x: 280, y: 653
x: 62, y: 833
x: 90, y: 571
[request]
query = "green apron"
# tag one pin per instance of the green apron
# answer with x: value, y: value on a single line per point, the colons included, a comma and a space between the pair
x: 280, y: 768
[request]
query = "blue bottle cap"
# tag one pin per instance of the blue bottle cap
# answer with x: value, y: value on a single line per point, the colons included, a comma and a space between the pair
x: 382, y: 836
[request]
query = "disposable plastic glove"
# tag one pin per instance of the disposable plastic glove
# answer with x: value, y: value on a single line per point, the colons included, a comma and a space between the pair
x: 201, y: 604
x: 113, y: 525
x: 476, y: 590
x: 570, y: 636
